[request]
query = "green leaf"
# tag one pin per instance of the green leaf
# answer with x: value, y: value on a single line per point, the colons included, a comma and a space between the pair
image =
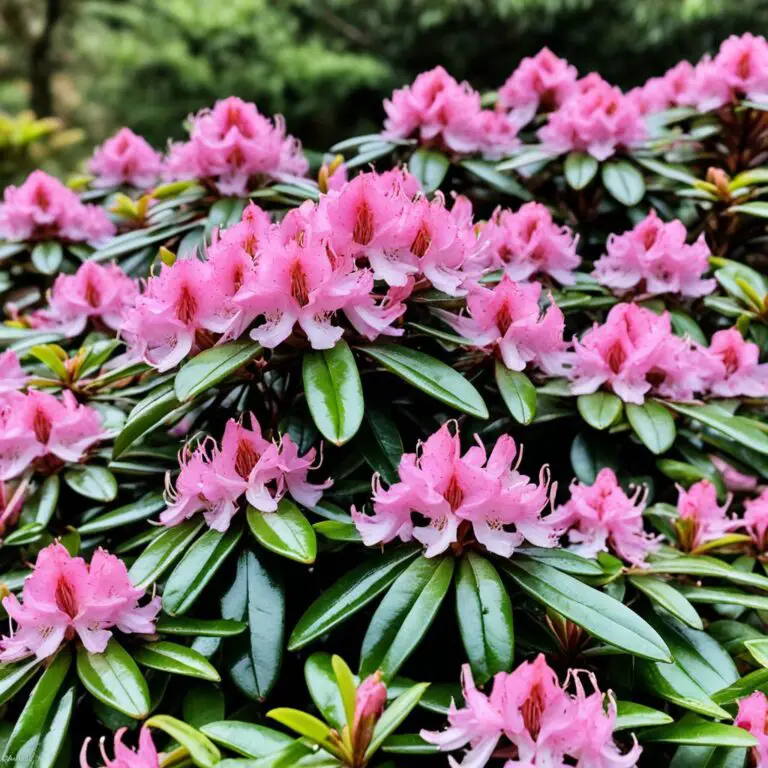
x: 13, y: 677
x: 708, y: 757
x: 758, y: 650
x: 485, y: 617
x: 699, y: 732
x: 201, y: 749
x: 183, y: 625
x: 197, y: 568
x: 408, y: 744
x: 51, y: 356
x: 381, y: 444
x: 724, y: 596
x: 757, y: 208
x: 580, y: 168
x: 665, y: 595
x: 684, y: 325
x: 39, y: 730
x: 175, y: 659
x: 335, y: 530
x: 345, y: 682
x: 47, y: 257
x: 631, y: 716
x: 257, y: 598
x: 305, y: 725
x: 211, y: 367
x: 145, y: 417
x: 113, y: 678
x: 517, y: 392
x: 429, y: 168
x: 674, y: 172
x: 162, y: 553
x: 334, y: 392
x: 45, y: 499
x: 563, y: 560
x: 145, y: 507
x: 404, y: 615
x: 754, y: 681
x: 324, y: 690
x: 601, y: 615
x: 393, y: 715
x: 600, y: 409
x: 496, y: 179
x: 349, y: 594
x: 134, y: 241
x: 430, y: 376
x: 653, y: 424
x: 246, y: 739
x: 623, y: 181
x: 285, y: 532
x: 692, y: 565
x: 93, y: 482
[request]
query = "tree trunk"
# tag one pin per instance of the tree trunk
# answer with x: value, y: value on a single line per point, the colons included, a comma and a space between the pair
x: 41, y: 62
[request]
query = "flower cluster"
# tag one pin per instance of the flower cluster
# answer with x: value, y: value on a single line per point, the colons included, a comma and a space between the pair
x: 126, y: 158
x: 454, y: 493
x: 213, y: 478
x: 42, y: 208
x: 37, y: 425
x: 660, y: 93
x: 438, y: 111
x: 635, y: 353
x: 701, y: 519
x: 12, y: 376
x: 65, y: 596
x: 602, y: 518
x: 233, y: 146
x: 753, y: 717
x: 94, y: 292
x: 144, y: 757
x: 542, y: 722
x: 654, y: 258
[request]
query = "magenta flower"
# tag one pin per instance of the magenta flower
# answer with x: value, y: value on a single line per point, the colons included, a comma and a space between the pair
x: 507, y: 319
x: 144, y: 757
x: 655, y: 259
x: 233, y: 147
x: 527, y: 242
x: 37, y: 425
x: 498, y: 133
x: 707, y: 89
x: 597, y: 119
x: 540, y: 83
x: 738, y: 372
x: 602, y: 518
x: 42, y: 208
x: 64, y: 597
x: 661, y: 93
x: 126, y: 159
x: 701, y: 518
x: 12, y: 376
x: 94, y: 292
x: 756, y: 520
x: 502, y: 506
x: 733, y: 479
x: 753, y: 717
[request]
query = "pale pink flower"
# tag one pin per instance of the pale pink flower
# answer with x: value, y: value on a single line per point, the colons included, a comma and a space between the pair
x: 94, y: 292
x: 707, y: 89
x: 733, y: 479
x: 701, y: 518
x: 661, y: 93
x: 37, y: 424
x: 64, y: 597
x: 126, y: 159
x: 234, y: 147
x: 527, y: 242
x: 742, y: 62
x: 738, y: 371
x: 756, y: 520
x: 12, y: 376
x: 753, y: 717
x: 498, y: 133
x: 42, y: 208
x: 295, y: 469
x: 602, y: 518
x: 144, y: 757
x: 597, y: 118
x: 507, y: 319
x: 540, y: 83
x: 436, y: 110
x: 447, y: 489
x: 654, y: 258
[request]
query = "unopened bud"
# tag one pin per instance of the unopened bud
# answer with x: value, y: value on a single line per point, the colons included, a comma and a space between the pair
x: 719, y: 178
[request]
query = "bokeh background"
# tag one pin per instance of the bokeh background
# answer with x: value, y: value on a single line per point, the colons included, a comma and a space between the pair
x: 325, y: 64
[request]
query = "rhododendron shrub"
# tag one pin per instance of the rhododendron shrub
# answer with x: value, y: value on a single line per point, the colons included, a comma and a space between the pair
x: 477, y: 403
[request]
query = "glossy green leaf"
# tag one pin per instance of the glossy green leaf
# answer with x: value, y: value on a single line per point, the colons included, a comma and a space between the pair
x: 430, y: 168
x: 145, y: 417
x: 324, y: 690
x: 699, y: 732
x: 693, y: 565
x: 709, y: 757
x: 630, y: 716
x: 724, y: 596
x: 285, y: 532
x: 247, y: 739
x: 345, y: 682
x: 211, y: 367
x: 13, y: 677
x: 183, y: 625
x: 623, y: 181
x: 93, y: 482
x: 758, y: 649
x: 305, y: 725
x: 381, y: 444
x: 393, y: 715
x: 517, y: 392
x: 335, y: 530
x: 430, y: 376
x: 580, y: 168
x: 201, y: 749
x: 52, y: 357
x: 408, y: 744
x: 47, y: 257
x: 142, y: 509
x: 564, y: 560
x: 175, y: 659
x: 600, y: 409
x: 404, y: 615
x: 162, y: 552
x: 664, y: 594
x: 653, y: 424
x: 45, y: 499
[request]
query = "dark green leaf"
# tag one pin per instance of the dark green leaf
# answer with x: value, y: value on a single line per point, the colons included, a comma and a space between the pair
x: 146, y: 416
x: 496, y: 179
x: 408, y: 744
x: 175, y: 659
x: 623, y: 181
x: 517, y: 392
x: 700, y: 732
x: 14, y: 676
x: 665, y: 595
x: 631, y: 716
x: 653, y: 424
x: 145, y: 507
x: 182, y: 625
x: 393, y: 715
x: 163, y: 552
x: 211, y: 367
x: 324, y: 690
x: 93, y: 482
x: 246, y: 739
x: 286, y: 532
x: 600, y: 409
x: 46, y: 257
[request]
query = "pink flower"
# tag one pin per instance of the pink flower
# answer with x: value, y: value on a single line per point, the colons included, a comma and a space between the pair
x: 753, y: 717
x: 602, y: 518
x: 507, y: 318
x: 449, y: 489
x: 528, y: 242
x: 597, y: 119
x: 742, y: 63
x: 733, y: 479
x: 12, y: 376
x: 370, y: 700
x: 654, y: 258
x: 42, y: 208
x: 144, y: 757
x: 36, y: 424
x: 542, y: 82
x: 707, y: 89
x: 701, y: 518
x: 738, y: 372
x: 756, y: 520
x: 126, y: 159
x: 498, y: 133
x: 65, y: 596
x: 93, y: 292
x: 661, y: 93
x: 233, y: 146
